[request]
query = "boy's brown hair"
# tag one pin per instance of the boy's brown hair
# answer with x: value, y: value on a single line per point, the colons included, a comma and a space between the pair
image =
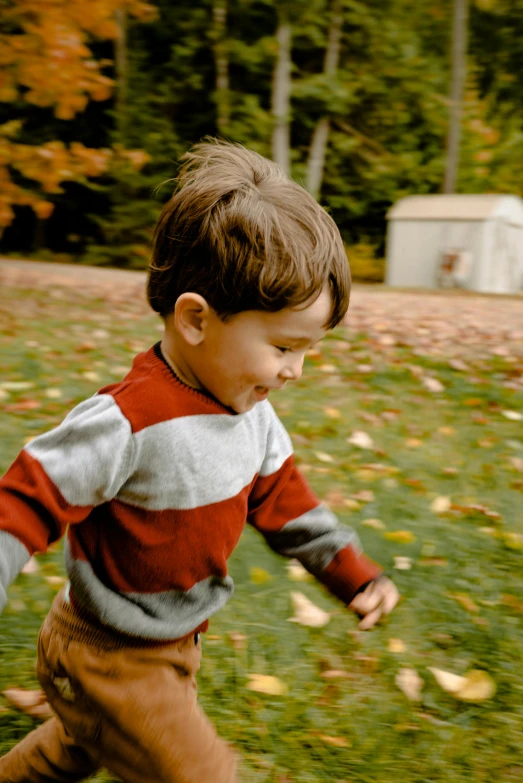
x: 244, y: 236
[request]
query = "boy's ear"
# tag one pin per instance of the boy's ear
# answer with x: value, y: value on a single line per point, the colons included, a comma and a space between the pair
x: 191, y: 314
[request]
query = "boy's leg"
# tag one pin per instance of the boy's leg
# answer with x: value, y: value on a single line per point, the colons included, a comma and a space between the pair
x: 152, y: 727
x: 46, y: 754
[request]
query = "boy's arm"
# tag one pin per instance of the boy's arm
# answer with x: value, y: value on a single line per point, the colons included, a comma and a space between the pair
x: 283, y: 507
x: 58, y: 478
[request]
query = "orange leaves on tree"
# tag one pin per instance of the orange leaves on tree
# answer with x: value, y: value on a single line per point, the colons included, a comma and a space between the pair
x: 48, y: 62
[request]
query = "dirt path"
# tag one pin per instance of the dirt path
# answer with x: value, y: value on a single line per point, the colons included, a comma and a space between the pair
x: 433, y: 321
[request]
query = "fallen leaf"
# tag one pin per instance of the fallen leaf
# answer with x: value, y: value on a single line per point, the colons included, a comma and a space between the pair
x: 16, y: 385
x: 332, y: 413
x: 476, y: 685
x: 396, y: 646
x: 361, y: 439
x: 55, y: 581
x: 335, y: 674
x: 434, y: 561
x: 475, y: 508
x: 265, y: 683
x: 238, y: 640
x: 296, y: 572
x: 307, y: 613
x: 53, y: 394
x: 338, y: 742
x: 91, y: 376
x: 410, y: 683
x: 441, y: 504
x: 401, y: 536
x: 447, y: 431
x: 512, y: 415
x: 259, y: 576
x: 364, y: 496
x: 377, y: 524
x: 31, y: 567
x: 402, y: 563
x: 322, y: 456
x: 512, y: 540
x: 432, y: 384
x: 31, y: 702
x: 413, y: 443
x: 517, y: 462
x: 465, y: 601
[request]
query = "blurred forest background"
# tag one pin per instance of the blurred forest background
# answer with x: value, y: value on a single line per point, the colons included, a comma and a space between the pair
x: 98, y: 100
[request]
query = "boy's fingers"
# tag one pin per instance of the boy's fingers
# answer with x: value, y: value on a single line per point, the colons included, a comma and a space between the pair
x: 370, y: 620
x: 390, y: 599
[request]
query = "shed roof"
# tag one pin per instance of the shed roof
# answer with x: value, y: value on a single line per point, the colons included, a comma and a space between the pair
x: 458, y: 207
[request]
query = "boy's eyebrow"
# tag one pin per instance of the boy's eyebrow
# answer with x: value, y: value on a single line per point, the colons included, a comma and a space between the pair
x: 305, y: 339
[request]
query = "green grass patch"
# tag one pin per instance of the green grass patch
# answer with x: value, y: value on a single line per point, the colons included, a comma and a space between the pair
x: 462, y: 598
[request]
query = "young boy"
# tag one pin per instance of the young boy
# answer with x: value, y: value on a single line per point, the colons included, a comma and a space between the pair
x: 153, y: 479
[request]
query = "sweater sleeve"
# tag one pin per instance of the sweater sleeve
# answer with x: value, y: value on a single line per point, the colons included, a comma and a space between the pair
x: 58, y: 478
x: 283, y: 507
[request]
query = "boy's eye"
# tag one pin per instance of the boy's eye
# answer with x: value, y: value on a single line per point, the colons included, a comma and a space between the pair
x: 282, y: 348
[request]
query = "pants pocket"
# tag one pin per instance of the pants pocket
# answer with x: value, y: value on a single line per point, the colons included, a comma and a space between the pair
x: 79, y: 716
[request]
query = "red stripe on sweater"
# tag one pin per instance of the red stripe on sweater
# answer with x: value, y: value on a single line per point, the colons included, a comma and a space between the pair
x: 349, y: 571
x: 154, y: 551
x: 285, y: 490
x: 151, y: 394
x: 33, y: 508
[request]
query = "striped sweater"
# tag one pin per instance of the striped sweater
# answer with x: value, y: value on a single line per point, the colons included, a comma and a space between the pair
x: 153, y: 482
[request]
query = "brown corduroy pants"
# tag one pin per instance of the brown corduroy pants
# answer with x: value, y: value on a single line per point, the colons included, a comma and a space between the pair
x: 131, y: 709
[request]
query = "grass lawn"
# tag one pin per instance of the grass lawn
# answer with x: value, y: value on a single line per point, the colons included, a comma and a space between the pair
x: 343, y: 719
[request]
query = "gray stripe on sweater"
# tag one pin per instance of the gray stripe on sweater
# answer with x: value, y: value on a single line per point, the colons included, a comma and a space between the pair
x: 13, y: 557
x: 168, y: 615
x: 90, y: 455
x: 314, y: 539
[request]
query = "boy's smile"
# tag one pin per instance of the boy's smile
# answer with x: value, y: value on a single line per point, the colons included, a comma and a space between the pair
x: 240, y: 361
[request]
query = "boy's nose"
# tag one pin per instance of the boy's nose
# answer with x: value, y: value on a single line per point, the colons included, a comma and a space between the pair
x: 293, y: 369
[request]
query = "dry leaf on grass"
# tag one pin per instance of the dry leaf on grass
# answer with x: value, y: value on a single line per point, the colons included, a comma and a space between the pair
x: 361, y: 439
x: 377, y: 524
x: 410, y: 683
x: 396, y: 646
x: 265, y: 683
x: 432, y: 384
x: 512, y: 415
x: 31, y: 702
x: 259, y: 576
x: 402, y: 563
x: 441, y: 504
x: 337, y: 742
x: 296, y: 572
x: 475, y: 685
x: 307, y: 613
x: 400, y: 536
x: 322, y: 456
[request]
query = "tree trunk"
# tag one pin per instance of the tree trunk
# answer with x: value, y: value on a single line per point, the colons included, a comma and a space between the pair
x: 318, y: 147
x: 281, y: 94
x: 120, y: 51
x: 459, y: 69
x: 221, y: 59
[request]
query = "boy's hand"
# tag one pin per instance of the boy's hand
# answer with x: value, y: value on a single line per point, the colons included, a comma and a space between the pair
x: 378, y: 599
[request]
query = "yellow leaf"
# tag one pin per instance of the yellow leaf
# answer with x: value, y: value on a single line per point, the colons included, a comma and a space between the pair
x: 53, y: 394
x: 332, y: 413
x: 396, y: 646
x: 377, y: 524
x: 400, y: 536
x: 265, y: 683
x: 466, y: 602
x: 337, y: 742
x: 475, y: 686
x: 259, y: 576
x: 513, y: 540
x: 307, y: 613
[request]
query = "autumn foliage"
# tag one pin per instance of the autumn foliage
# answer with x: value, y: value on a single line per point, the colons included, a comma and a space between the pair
x: 46, y: 60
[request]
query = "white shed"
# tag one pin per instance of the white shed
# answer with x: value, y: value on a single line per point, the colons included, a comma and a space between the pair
x: 474, y: 242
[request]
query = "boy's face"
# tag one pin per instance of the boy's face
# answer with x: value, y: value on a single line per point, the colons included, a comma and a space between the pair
x: 255, y: 352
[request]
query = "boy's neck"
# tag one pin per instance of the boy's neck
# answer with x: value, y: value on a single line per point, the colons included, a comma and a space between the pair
x: 174, y: 358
